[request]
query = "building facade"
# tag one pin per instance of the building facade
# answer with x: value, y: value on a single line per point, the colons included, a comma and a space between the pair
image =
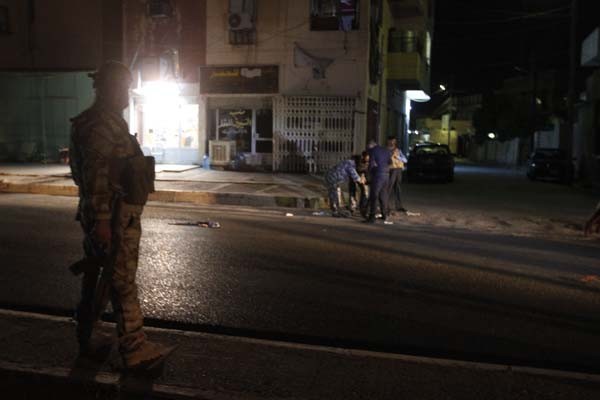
x: 283, y: 85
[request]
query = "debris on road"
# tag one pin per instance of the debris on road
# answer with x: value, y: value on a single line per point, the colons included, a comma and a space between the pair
x: 200, y: 224
x: 413, y: 214
x: 319, y: 213
x: 386, y: 222
x: 590, y: 279
x: 289, y: 214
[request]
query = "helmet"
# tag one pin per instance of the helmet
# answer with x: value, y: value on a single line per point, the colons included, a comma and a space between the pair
x: 111, y: 72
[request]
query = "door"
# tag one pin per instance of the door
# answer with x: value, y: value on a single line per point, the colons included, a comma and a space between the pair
x: 263, y: 132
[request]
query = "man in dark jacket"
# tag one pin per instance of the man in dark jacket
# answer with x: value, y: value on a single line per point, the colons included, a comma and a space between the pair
x: 379, y: 170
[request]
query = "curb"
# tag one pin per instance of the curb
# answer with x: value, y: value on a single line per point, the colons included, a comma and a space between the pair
x: 179, y: 196
x: 29, y: 378
x: 103, y: 382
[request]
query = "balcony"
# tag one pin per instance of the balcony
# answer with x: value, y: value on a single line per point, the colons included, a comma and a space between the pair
x: 409, y: 70
x: 406, y: 61
x: 408, y: 8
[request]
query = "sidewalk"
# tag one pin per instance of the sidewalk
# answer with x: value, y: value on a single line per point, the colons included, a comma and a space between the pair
x: 182, y: 183
x: 38, y: 358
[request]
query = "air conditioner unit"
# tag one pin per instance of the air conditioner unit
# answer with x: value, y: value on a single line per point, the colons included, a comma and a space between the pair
x: 221, y: 152
x: 239, y: 21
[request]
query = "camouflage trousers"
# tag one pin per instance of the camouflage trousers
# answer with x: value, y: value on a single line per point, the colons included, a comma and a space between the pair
x: 126, y: 233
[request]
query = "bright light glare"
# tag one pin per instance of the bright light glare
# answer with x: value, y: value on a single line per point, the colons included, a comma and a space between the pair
x: 418, y: 95
x: 442, y: 87
x: 492, y: 135
x: 158, y: 90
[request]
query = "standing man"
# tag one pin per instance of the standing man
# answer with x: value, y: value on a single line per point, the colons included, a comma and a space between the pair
x: 379, y: 170
x: 114, y: 180
x: 396, y: 168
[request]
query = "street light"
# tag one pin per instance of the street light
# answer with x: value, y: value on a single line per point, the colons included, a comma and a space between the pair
x: 442, y: 88
x: 492, y: 135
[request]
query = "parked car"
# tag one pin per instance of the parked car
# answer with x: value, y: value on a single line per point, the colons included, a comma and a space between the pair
x: 546, y: 163
x: 430, y: 161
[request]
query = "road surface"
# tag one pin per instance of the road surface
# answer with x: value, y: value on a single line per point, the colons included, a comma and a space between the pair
x: 402, y: 288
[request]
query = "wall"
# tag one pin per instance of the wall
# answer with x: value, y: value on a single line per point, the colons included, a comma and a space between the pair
x: 373, y: 91
x: 184, y: 31
x: 496, y: 152
x: 35, y: 110
x: 60, y: 34
x: 281, y: 23
x: 439, y: 134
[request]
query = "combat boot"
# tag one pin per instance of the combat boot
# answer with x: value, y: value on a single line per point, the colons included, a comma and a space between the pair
x: 146, y: 357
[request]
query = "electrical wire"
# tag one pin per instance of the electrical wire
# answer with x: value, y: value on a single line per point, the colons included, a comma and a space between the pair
x: 511, y: 19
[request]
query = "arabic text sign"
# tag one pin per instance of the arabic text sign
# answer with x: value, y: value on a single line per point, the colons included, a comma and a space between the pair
x: 242, y: 79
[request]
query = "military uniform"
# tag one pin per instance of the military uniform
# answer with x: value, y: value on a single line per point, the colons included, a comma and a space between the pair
x: 100, y: 141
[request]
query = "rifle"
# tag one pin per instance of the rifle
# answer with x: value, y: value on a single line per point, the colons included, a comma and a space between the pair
x: 99, y: 266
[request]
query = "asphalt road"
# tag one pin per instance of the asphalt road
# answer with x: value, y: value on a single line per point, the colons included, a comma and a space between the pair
x: 401, y: 288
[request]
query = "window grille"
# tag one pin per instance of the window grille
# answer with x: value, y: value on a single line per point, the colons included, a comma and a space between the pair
x: 312, y: 133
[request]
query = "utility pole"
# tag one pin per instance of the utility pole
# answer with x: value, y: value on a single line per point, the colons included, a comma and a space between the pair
x: 533, y: 101
x: 571, y: 97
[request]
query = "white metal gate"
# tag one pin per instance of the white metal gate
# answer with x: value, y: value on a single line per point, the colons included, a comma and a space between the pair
x: 312, y: 133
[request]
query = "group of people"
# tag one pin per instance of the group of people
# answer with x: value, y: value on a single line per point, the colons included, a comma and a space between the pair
x: 374, y: 180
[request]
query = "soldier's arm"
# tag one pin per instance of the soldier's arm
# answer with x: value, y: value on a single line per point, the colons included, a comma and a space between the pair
x: 97, y: 157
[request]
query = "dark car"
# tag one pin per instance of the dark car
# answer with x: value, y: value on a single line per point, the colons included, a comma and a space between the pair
x: 552, y: 164
x: 431, y: 161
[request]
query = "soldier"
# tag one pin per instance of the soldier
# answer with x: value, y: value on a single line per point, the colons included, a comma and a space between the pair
x: 105, y: 164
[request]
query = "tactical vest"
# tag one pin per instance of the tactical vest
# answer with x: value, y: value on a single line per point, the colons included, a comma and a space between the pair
x: 136, y: 176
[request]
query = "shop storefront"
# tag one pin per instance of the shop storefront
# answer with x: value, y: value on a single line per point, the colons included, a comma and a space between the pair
x: 239, y: 115
x: 165, y: 119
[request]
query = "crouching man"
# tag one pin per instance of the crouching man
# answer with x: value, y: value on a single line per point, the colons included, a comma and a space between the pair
x: 337, y: 176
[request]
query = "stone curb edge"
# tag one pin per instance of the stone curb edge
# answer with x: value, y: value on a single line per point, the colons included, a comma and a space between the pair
x: 113, y: 382
x: 440, y: 362
x: 179, y: 196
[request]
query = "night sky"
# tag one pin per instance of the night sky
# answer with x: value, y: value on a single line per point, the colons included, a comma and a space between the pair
x: 478, y: 43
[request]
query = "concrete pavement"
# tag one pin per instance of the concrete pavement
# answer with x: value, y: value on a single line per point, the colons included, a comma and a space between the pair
x: 38, y: 358
x: 182, y: 183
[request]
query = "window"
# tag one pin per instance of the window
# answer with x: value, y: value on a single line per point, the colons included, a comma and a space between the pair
x: 4, y: 21
x: 334, y: 15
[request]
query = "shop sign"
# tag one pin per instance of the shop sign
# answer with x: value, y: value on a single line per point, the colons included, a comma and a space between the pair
x: 242, y: 79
